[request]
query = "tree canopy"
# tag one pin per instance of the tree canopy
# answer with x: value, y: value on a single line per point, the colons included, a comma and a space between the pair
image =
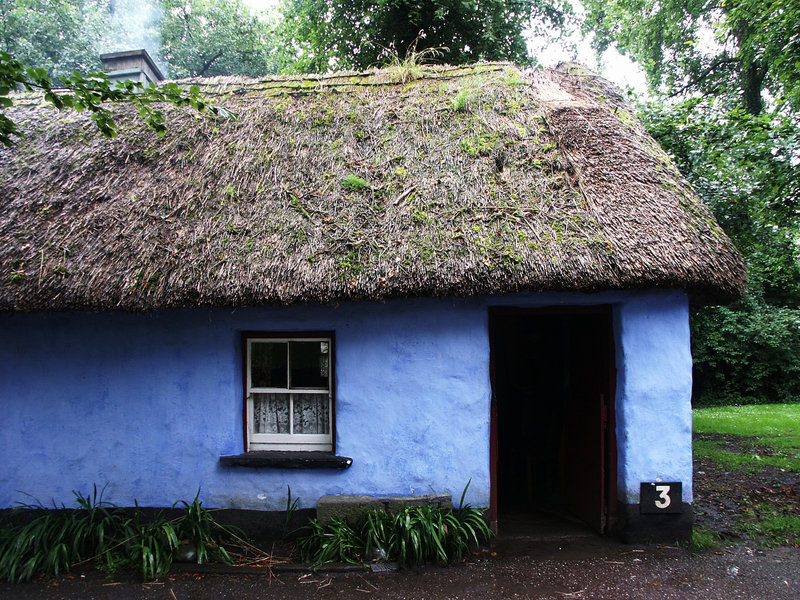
x: 327, y: 34
x: 735, y: 48
x: 216, y: 37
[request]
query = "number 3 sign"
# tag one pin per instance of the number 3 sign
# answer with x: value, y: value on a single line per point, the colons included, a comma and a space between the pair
x: 659, y: 497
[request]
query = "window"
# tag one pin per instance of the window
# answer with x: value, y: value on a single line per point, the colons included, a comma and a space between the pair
x: 288, y: 390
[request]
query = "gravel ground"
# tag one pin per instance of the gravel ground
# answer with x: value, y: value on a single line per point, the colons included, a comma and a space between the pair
x: 586, y: 568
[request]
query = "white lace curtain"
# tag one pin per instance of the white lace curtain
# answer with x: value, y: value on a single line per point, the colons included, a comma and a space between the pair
x: 309, y: 413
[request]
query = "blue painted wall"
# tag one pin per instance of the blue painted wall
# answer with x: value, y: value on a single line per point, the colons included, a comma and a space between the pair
x: 148, y: 403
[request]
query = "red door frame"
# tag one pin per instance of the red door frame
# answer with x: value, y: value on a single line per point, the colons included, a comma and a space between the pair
x: 610, y: 450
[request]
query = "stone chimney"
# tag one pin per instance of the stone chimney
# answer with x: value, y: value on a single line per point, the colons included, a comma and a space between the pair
x: 135, y: 65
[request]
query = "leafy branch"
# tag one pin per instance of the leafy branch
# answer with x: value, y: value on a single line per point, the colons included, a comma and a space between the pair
x: 92, y: 93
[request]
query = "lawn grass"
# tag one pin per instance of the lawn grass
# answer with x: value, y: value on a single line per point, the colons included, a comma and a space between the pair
x: 778, y: 423
x: 771, y: 431
x: 756, y: 437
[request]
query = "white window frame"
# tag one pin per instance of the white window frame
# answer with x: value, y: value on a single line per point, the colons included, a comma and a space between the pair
x: 287, y: 441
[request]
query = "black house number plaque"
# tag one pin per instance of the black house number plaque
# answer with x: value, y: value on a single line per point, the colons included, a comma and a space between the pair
x: 660, y: 497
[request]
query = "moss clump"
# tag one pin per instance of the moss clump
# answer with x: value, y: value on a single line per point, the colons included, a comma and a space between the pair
x: 481, y: 145
x: 351, y: 182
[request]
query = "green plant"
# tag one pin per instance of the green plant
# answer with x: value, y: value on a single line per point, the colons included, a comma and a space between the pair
x: 412, y: 535
x: 466, y: 96
x: 410, y: 67
x: 150, y: 546
x: 748, y: 353
x: 702, y: 540
x: 199, y: 526
x: 36, y: 539
x: 351, y: 182
x: 39, y: 539
x: 291, y: 507
x: 335, y: 541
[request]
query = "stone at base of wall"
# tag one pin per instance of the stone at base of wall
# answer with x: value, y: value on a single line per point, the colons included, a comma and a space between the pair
x: 350, y: 508
x: 636, y: 528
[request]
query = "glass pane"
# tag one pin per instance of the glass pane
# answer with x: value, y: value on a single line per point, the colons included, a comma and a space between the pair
x: 311, y: 413
x: 268, y: 365
x: 271, y: 413
x: 309, y: 364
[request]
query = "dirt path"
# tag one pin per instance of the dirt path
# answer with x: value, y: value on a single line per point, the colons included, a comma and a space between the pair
x: 581, y: 569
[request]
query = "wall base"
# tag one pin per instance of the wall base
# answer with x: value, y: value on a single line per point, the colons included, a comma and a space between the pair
x: 636, y: 528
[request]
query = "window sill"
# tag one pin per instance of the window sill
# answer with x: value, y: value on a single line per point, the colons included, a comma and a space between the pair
x: 286, y: 460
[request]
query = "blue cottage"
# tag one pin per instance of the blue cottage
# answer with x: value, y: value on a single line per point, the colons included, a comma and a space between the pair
x: 364, y: 283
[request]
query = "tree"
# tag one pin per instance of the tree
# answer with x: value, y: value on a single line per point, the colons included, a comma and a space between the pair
x: 59, y: 36
x: 727, y: 111
x: 734, y: 48
x: 202, y: 38
x: 357, y: 34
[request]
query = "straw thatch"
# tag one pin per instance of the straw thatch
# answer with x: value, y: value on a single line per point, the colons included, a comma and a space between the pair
x: 460, y: 181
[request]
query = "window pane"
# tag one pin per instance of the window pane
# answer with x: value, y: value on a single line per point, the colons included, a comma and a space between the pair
x: 271, y: 413
x: 309, y: 364
x: 311, y: 413
x: 268, y: 365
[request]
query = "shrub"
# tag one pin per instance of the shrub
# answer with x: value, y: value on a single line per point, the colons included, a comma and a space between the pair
x: 748, y: 353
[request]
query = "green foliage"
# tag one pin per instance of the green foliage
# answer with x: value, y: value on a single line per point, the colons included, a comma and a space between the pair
x: 59, y: 36
x: 35, y: 539
x: 351, y: 182
x: 359, y: 34
x: 731, y: 49
x: 744, y: 168
x: 702, y: 540
x: 198, y: 526
x: 336, y: 541
x: 466, y: 96
x: 92, y: 93
x: 409, y: 67
x: 413, y: 535
x: 726, y: 76
x: 203, y: 38
x: 746, y: 354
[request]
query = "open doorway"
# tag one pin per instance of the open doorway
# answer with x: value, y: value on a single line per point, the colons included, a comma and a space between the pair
x: 553, y: 443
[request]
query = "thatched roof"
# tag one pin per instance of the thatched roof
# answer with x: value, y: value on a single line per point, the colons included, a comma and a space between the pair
x: 463, y: 181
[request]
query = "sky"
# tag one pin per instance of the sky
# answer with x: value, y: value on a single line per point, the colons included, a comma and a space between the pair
x: 613, y: 66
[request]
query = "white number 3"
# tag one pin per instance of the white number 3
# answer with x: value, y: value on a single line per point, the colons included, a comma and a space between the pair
x: 663, y: 498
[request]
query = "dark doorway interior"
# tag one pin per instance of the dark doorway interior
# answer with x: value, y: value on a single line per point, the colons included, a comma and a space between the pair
x: 553, y: 445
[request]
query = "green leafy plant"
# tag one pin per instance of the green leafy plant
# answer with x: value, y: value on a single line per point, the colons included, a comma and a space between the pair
x: 335, y: 541
x: 38, y: 539
x: 199, y: 526
x: 412, y: 535
x: 35, y: 539
x: 410, y: 67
